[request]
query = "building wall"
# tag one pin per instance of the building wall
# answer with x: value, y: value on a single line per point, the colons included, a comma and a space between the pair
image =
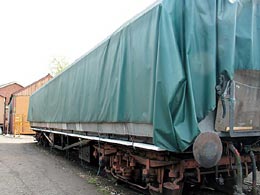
x: 29, y: 90
x: 2, y: 107
x: 20, y: 105
x: 8, y: 90
x: 19, y: 117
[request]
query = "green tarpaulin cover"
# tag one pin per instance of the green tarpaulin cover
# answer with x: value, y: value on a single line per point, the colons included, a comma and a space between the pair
x: 161, y: 68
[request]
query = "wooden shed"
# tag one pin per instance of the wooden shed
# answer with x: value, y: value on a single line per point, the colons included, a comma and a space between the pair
x: 19, y: 104
x: 6, y: 91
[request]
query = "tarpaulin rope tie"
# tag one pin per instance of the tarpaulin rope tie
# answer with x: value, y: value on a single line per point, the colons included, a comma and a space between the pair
x: 245, y: 85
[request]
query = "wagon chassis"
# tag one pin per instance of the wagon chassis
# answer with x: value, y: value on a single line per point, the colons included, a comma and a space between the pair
x: 154, y: 169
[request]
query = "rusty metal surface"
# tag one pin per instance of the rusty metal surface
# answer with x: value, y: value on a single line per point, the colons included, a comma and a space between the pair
x: 160, y: 171
x: 153, y: 163
x: 207, y: 149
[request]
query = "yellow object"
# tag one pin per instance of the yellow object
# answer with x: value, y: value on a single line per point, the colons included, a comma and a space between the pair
x: 21, y: 125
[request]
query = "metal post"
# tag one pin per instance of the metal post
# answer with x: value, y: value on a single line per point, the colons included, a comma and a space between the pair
x: 231, y: 107
x: 239, y: 178
x: 4, y: 130
x: 252, y: 156
x: 67, y: 144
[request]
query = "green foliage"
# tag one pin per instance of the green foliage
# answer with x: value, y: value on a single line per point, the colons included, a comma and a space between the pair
x: 92, y: 180
x: 58, y: 64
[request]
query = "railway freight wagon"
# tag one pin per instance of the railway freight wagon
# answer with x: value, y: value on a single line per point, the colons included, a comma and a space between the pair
x: 171, y: 99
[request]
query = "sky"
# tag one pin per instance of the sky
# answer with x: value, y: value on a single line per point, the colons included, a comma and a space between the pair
x: 33, y: 32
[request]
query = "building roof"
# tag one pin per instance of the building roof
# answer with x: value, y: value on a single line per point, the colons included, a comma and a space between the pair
x: 28, y: 86
x: 7, y: 89
x: 8, y: 84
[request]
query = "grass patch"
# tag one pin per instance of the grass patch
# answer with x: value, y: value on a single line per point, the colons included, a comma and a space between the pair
x: 104, y: 191
x: 92, y: 180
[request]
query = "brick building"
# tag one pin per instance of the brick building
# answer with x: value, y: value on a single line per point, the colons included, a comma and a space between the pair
x: 6, y: 91
x: 18, y: 107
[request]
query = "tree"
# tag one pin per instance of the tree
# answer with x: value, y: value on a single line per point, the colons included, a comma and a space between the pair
x: 58, y: 64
